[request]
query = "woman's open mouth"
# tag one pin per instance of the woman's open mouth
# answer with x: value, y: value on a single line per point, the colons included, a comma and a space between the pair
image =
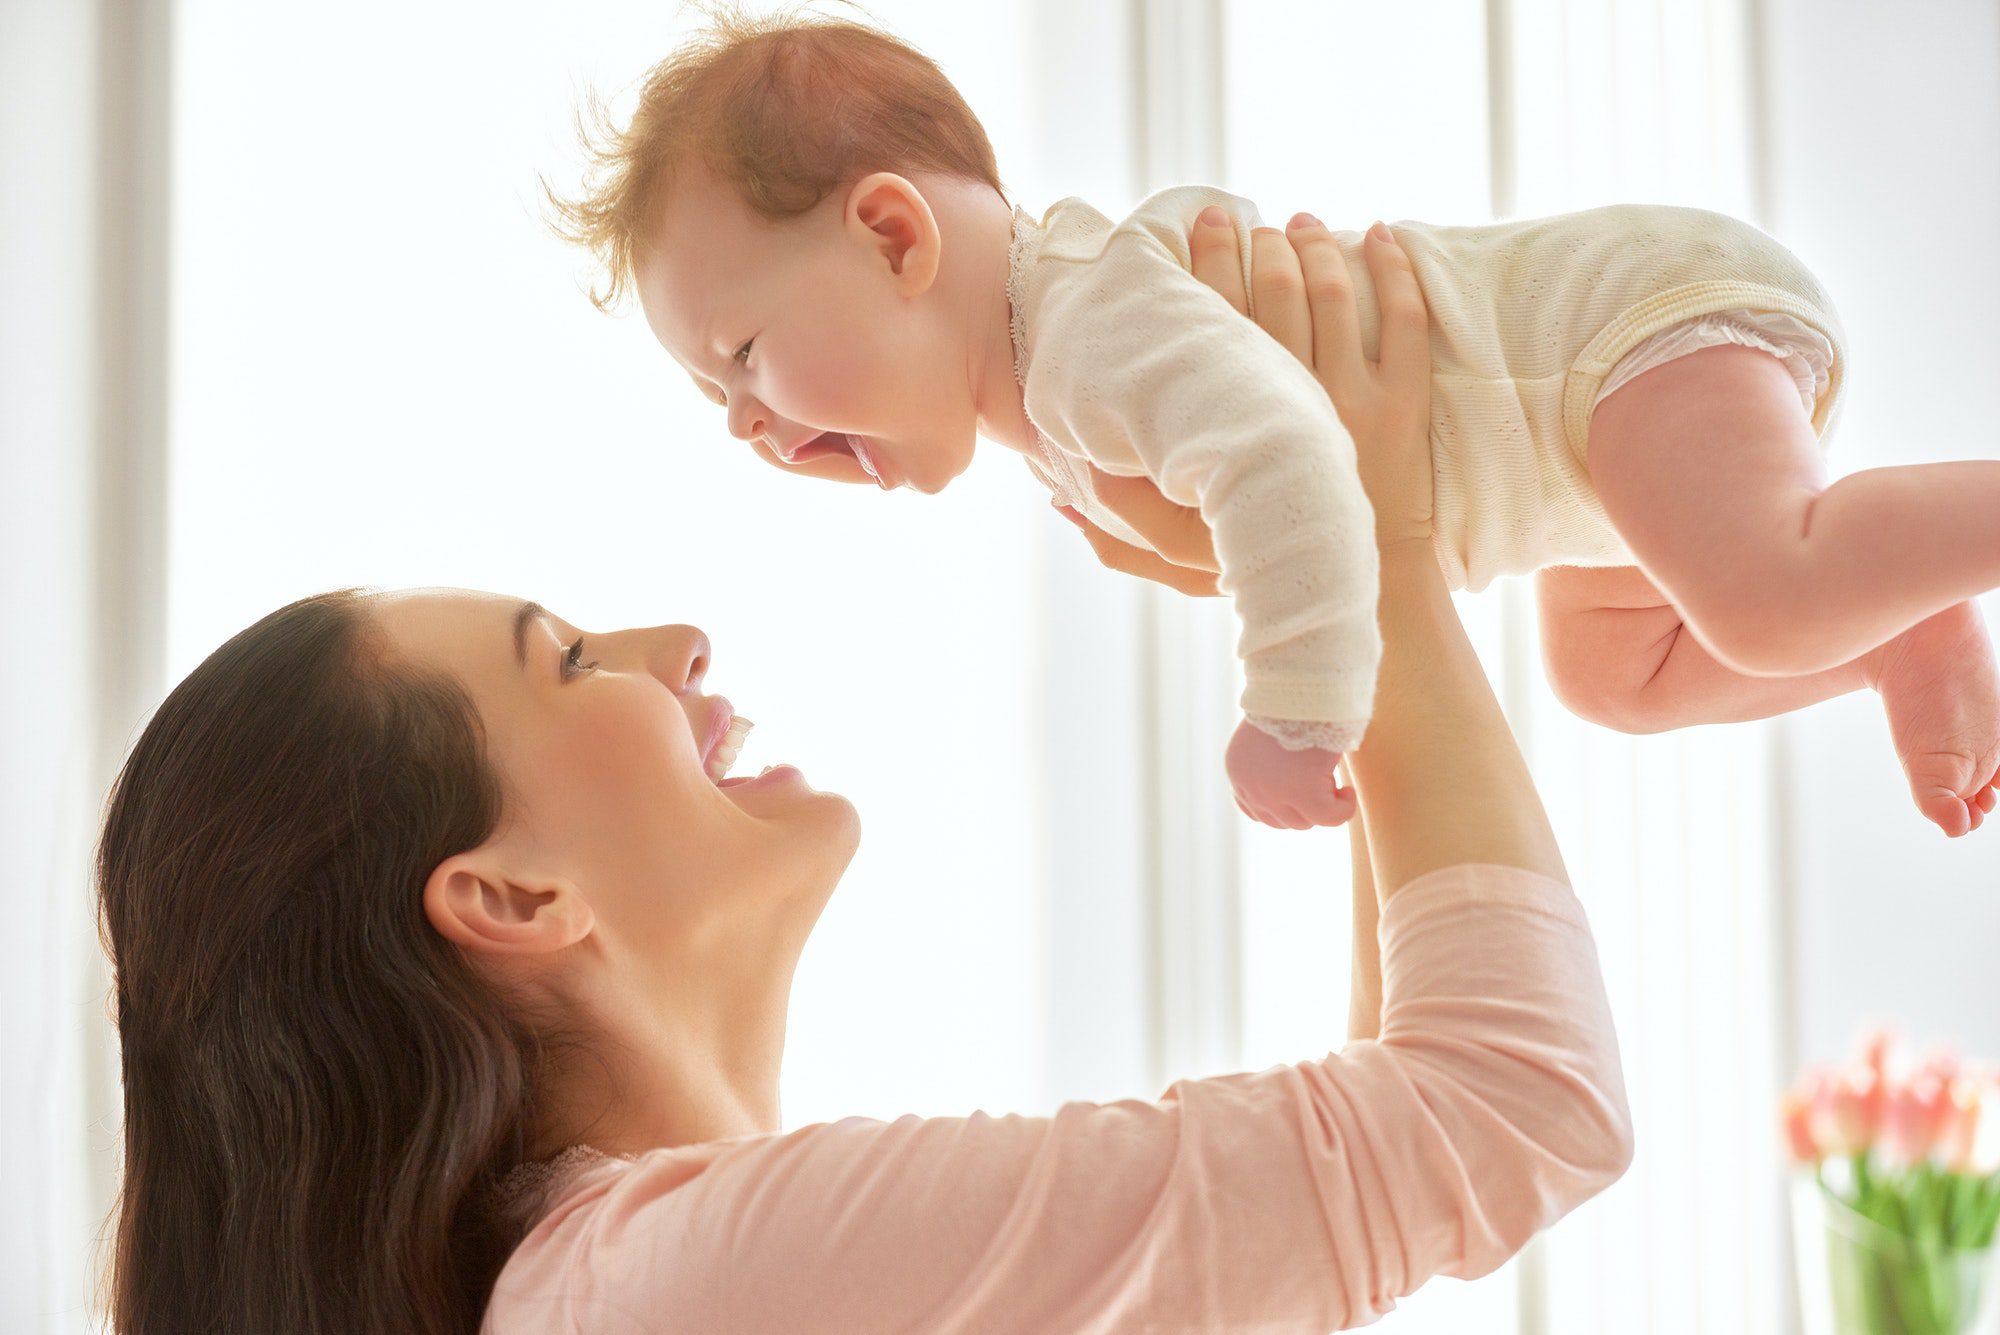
x: 841, y: 443
x: 727, y: 732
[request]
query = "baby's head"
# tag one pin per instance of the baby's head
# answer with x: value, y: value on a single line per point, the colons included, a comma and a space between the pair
x: 777, y: 202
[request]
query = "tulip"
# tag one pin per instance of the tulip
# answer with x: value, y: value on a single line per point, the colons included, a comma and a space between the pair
x: 1796, y: 1112
x: 1847, y: 1109
x: 1915, y: 1114
x: 1961, y: 1125
x: 1944, y: 1064
x: 1874, y: 1053
x: 1982, y: 1157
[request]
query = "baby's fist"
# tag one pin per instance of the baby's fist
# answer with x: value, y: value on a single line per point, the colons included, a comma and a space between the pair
x: 1291, y: 790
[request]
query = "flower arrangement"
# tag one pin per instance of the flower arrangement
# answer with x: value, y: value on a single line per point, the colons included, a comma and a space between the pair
x: 1898, y: 1195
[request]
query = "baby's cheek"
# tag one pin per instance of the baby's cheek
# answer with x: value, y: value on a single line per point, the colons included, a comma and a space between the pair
x: 819, y: 400
x: 839, y: 385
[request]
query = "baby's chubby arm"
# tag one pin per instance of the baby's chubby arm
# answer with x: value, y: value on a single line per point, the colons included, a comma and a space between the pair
x: 1144, y: 370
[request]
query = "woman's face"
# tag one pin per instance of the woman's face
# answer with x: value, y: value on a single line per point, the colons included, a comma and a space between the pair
x: 600, y: 742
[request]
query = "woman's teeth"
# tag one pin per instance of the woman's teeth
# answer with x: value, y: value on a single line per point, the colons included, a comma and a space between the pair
x: 727, y: 749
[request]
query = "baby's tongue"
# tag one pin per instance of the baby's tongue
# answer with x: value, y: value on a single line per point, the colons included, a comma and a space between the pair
x: 861, y: 454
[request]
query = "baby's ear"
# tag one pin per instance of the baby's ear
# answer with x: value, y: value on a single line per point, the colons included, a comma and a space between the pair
x: 891, y: 216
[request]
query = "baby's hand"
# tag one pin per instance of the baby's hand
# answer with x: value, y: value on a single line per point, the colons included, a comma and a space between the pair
x: 1291, y: 790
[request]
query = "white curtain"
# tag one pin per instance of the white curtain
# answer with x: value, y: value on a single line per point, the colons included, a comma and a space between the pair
x: 1457, y: 110
x: 81, y: 136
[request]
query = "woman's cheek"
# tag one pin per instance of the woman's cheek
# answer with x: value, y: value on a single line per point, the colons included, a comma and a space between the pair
x: 622, y: 745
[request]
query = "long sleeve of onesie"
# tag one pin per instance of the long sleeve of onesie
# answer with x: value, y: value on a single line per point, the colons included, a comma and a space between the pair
x: 1297, y: 1199
x: 1131, y: 363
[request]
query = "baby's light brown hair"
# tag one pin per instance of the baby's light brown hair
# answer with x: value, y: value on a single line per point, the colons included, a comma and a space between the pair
x: 787, y: 108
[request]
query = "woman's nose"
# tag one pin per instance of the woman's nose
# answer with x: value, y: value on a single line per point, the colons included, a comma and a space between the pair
x: 678, y: 656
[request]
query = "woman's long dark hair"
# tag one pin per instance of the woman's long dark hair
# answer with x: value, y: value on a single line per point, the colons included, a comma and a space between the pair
x: 319, y: 1090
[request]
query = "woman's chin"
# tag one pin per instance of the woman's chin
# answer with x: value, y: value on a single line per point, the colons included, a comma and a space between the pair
x: 845, y: 822
x: 781, y: 792
x: 828, y: 825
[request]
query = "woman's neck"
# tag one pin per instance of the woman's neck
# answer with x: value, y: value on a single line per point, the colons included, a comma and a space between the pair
x: 668, y: 1065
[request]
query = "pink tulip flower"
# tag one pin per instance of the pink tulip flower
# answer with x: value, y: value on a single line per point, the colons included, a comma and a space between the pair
x: 1971, y: 1143
x: 1916, y: 1114
x: 1944, y: 1064
x: 1847, y: 1109
x: 1876, y: 1045
x: 1796, y: 1112
x: 1961, y: 1125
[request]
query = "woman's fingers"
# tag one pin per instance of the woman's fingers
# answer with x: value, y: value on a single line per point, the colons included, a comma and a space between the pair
x: 1329, y: 288
x: 1176, y: 532
x: 1218, y: 256
x: 1278, y: 286
x: 1406, y: 340
x: 1126, y: 559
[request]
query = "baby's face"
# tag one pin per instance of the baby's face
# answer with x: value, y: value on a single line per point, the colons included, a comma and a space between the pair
x: 804, y: 334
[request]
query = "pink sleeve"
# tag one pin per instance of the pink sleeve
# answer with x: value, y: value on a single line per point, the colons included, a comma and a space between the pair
x: 1303, y: 1197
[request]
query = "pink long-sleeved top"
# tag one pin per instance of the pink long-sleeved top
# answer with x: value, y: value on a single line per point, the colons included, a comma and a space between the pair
x: 1300, y: 1198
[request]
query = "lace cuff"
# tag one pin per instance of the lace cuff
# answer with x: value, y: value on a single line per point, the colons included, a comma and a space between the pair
x: 1306, y: 735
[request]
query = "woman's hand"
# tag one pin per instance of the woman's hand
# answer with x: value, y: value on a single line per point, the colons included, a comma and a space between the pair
x: 1305, y: 300
x: 1170, y: 528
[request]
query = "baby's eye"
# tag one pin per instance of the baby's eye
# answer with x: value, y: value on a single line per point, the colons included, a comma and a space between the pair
x: 573, y: 664
x: 743, y: 353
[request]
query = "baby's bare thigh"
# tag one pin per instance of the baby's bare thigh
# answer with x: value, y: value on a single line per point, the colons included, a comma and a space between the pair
x: 1699, y: 464
x: 1605, y: 632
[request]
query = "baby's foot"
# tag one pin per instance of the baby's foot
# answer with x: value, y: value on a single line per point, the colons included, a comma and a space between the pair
x: 1941, y: 688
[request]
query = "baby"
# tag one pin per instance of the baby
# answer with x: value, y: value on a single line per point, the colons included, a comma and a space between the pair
x: 814, y: 224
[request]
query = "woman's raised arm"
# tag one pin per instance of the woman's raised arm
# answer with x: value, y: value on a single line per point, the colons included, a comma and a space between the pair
x: 1440, y: 777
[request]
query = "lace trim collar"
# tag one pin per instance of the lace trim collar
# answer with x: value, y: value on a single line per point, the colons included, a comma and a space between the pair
x: 525, y: 1191
x: 1021, y: 251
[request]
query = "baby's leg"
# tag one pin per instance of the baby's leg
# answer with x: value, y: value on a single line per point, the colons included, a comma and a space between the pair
x: 1618, y: 654
x: 1710, y: 471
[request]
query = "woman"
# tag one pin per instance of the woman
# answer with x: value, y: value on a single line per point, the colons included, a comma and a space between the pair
x: 433, y: 938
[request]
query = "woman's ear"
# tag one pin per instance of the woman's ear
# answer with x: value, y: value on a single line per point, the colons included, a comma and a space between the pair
x: 891, y: 216
x: 475, y: 901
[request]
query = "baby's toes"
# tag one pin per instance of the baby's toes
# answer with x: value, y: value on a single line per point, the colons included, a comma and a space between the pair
x: 1948, y: 812
x: 1942, y: 784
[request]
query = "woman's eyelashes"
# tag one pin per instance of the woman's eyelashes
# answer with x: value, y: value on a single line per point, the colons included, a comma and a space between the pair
x: 573, y: 664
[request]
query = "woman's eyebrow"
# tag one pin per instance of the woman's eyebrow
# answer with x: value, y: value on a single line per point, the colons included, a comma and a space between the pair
x: 523, y: 615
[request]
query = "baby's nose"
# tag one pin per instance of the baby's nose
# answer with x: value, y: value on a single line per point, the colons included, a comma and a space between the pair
x: 747, y: 418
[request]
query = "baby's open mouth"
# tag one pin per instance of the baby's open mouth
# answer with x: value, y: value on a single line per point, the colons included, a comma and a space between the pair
x: 838, y: 442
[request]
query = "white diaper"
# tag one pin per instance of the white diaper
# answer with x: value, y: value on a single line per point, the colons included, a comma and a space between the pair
x: 1805, y: 352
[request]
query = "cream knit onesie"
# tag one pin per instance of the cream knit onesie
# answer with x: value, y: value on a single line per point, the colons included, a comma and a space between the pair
x: 1128, y: 362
